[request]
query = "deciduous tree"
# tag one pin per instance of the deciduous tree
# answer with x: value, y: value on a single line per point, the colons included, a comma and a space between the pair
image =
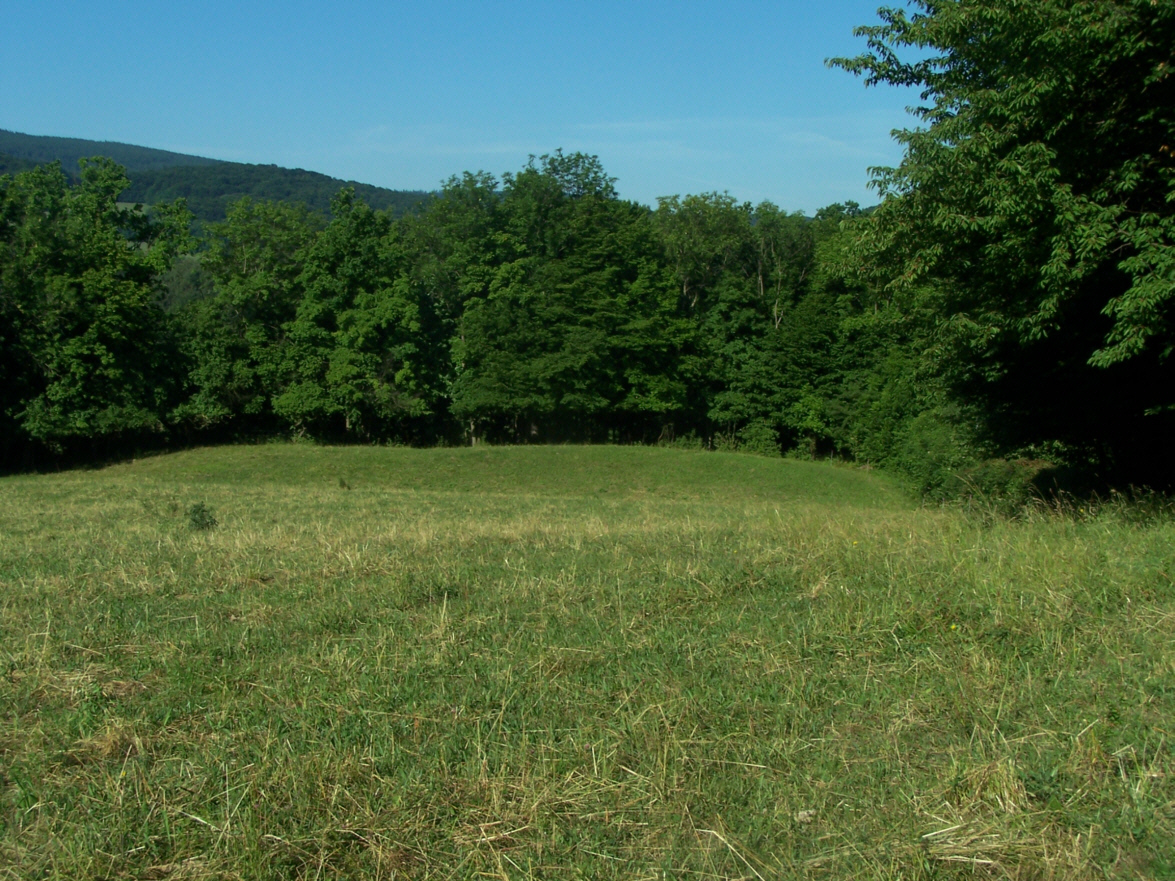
x: 1034, y: 210
x: 85, y: 356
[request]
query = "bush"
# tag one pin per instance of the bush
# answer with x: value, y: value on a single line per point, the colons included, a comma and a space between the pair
x: 932, y: 449
x: 759, y: 437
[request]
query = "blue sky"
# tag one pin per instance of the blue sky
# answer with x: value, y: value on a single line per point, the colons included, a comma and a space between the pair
x: 674, y: 97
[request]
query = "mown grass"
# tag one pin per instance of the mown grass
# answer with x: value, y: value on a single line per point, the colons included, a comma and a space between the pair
x: 572, y: 662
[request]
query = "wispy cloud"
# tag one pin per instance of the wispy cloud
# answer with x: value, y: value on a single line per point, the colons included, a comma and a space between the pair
x: 799, y: 162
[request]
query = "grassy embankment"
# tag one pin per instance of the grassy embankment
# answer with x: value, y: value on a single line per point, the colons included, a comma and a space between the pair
x: 572, y: 662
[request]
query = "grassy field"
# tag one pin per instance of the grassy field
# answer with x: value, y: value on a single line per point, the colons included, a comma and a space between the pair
x: 573, y: 662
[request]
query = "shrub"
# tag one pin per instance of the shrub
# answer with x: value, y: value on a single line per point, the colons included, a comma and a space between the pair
x: 932, y: 449
x: 759, y: 437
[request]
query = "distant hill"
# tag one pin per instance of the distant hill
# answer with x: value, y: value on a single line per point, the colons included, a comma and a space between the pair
x: 41, y: 149
x: 210, y: 189
x: 208, y: 185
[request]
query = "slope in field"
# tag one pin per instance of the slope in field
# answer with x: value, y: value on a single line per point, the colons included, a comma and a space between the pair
x: 603, y: 472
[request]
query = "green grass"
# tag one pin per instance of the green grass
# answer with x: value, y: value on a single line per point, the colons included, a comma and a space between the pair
x: 572, y: 662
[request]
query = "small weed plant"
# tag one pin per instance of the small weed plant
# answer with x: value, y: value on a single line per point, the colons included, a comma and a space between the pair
x: 200, y: 517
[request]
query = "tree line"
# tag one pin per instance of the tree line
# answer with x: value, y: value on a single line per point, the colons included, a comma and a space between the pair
x: 536, y: 307
x: 1006, y: 308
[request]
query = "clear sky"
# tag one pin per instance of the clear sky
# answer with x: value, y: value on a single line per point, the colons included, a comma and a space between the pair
x: 674, y: 96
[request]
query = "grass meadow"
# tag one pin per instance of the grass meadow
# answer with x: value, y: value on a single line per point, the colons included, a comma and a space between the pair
x: 295, y: 662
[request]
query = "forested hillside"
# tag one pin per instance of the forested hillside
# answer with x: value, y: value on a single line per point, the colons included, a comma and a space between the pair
x: 42, y: 149
x: 210, y: 190
x: 1004, y: 314
x: 208, y: 185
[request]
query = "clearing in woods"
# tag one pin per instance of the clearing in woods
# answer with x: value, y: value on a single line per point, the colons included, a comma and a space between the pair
x: 287, y: 661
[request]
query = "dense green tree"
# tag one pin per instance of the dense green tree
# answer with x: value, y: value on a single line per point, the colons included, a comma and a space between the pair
x: 235, y: 340
x: 704, y: 237
x: 452, y: 246
x: 360, y: 358
x: 85, y: 344
x: 772, y: 336
x: 20, y: 294
x: 764, y: 338
x: 880, y: 401
x: 1034, y: 214
x: 570, y: 333
x: 706, y: 240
